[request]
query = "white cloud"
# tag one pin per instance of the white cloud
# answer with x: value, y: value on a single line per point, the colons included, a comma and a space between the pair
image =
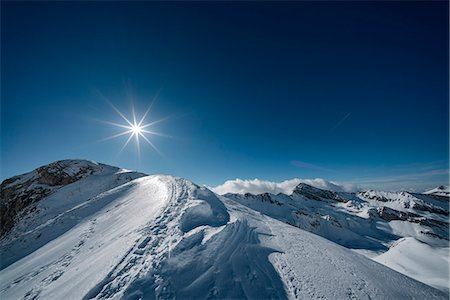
x: 257, y: 186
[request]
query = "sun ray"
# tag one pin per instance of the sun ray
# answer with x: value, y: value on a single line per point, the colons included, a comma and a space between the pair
x: 133, y: 112
x: 116, y: 124
x: 118, y: 111
x: 154, y: 122
x: 156, y: 133
x: 148, y: 109
x: 152, y: 145
x: 137, y: 145
x: 126, y: 143
x: 116, y: 135
x: 145, y: 114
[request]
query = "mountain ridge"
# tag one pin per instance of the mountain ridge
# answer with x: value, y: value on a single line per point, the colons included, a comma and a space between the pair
x: 110, y: 235
x: 370, y: 222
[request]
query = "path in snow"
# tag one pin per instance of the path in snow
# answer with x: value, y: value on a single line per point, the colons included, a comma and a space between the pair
x: 163, y: 237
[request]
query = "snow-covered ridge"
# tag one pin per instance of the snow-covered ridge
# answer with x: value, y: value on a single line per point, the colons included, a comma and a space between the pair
x: 102, y: 231
x: 315, y: 193
x: 21, y: 193
x: 442, y: 190
x: 108, y: 236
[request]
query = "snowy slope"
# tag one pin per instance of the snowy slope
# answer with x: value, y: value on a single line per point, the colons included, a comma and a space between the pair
x: 368, y: 222
x: 312, y: 267
x: 64, y: 206
x: 419, y: 261
x: 120, y: 234
x: 165, y: 237
x: 423, y: 217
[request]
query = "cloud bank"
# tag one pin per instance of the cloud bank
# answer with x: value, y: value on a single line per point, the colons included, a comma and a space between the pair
x: 257, y: 186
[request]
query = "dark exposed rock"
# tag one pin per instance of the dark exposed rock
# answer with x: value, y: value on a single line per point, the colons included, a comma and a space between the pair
x: 21, y: 192
x: 265, y: 197
x: 431, y: 209
x: 12, y: 201
x: 390, y: 214
x: 64, y: 172
x: 317, y: 194
x: 368, y: 195
x: 432, y: 234
x: 430, y: 222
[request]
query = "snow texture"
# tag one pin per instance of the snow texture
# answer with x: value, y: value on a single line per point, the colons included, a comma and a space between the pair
x: 165, y: 237
x: 419, y: 261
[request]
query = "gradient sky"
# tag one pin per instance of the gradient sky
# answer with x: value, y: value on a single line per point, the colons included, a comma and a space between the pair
x: 346, y: 91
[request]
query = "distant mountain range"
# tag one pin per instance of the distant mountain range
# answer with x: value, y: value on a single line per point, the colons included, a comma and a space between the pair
x: 85, y: 230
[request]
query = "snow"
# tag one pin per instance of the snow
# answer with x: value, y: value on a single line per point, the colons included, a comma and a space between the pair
x: 328, y: 219
x: 312, y: 267
x: 315, y: 268
x: 109, y: 236
x: 133, y: 224
x: 402, y: 201
x: 211, y: 212
x: 71, y: 264
x: 59, y: 212
x: 355, y: 223
x: 442, y: 190
x: 419, y: 261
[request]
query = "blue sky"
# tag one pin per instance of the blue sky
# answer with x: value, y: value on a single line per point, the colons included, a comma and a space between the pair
x: 346, y: 91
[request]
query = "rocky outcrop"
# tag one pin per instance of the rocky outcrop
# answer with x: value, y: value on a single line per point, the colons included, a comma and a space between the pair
x: 438, y: 228
x: 12, y: 201
x: 371, y: 196
x: 431, y: 209
x: 56, y: 175
x: 21, y: 192
x: 317, y: 194
x: 390, y: 214
x: 265, y: 197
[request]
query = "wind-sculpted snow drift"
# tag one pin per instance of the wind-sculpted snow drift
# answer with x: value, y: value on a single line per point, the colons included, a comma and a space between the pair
x: 165, y: 237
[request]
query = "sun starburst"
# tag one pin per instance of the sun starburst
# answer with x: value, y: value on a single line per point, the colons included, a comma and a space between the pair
x: 135, y: 129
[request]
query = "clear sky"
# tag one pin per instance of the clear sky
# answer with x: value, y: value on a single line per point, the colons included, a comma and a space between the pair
x: 346, y: 91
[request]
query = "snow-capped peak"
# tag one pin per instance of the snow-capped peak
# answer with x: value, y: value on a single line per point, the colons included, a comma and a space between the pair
x: 59, y: 173
x: 20, y: 192
x: 315, y: 193
x: 442, y: 190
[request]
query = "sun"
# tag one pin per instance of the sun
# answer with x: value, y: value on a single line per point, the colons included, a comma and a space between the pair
x: 137, y: 129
